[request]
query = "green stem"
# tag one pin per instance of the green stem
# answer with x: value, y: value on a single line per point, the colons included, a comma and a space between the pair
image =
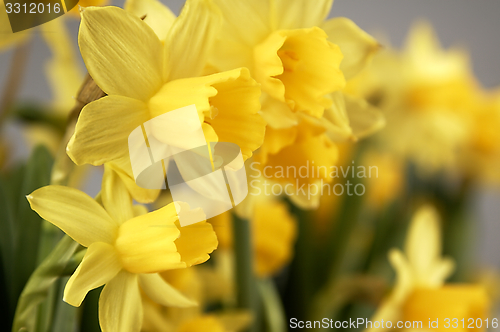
x: 245, y: 281
x: 273, y: 308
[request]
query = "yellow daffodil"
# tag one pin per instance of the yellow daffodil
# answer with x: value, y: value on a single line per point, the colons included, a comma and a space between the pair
x: 420, y: 292
x: 126, y: 248
x: 285, y: 49
x: 144, y: 78
x: 301, y: 61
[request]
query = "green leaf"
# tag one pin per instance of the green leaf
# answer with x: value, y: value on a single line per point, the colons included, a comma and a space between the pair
x: 40, y: 283
x: 32, y: 113
x: 27, y: 222
x: 67, y: 317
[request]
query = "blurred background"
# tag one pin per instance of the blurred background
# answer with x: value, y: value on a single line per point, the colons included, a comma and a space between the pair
x: 473, y: 25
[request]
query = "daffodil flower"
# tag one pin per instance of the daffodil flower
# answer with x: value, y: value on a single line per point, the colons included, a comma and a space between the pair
x: 302, y: 62
x: 144, y: 77
x: 284, y: 47
x: 297, y: 56
x: 420, y: 292
x: 126, y: 248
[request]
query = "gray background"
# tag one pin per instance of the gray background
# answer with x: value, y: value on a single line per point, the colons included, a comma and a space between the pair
x: 473, y: 24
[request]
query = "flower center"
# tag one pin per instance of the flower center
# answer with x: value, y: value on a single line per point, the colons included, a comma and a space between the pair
x: 299, y: 67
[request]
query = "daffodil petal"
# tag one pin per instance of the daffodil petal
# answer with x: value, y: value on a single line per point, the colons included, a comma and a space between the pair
x: 300, y: 67
x: 277, y: 114
x: 158, y: 16
x: 146, y: 242
x: 441, y: 272
x: 124, y: 170
x: 235, y: 96
x: 102, y: 130
x: 237, y: 103
x: 404, y: 278
x: 316, y: 74
x: 301, y: 13
x: 99, y: 265
x: 423, y: 245
x: 75, y: 213
x: 336, y: 120
x: 139, y: 210
x: 245, y: 24
x: 364, y: 119
x: 183, y: 92
x: 357, y: 46
x: 162, y: 292
x: 268, y: 65
x: 245, y: 21
x: 316, y: 148
x: 120, y: 304
x: 275, y: 141
x: 195, y: 242
x: 115, y: 197
x: 122, y: 53
x: 191, y: 38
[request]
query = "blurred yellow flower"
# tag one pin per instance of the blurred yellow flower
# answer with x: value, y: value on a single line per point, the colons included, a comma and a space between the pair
x: 448, y: 304
x: 274, y: 230
x: 421, y: 272
x: 144, y: 78
x: 481, y: 156
x: 126, y: 249
x: 389, y: 182
x: 428, y: 95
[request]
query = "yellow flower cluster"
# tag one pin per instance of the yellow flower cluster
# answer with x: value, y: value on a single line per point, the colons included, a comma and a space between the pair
x: 267, y: 75
x: 437, y: 114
